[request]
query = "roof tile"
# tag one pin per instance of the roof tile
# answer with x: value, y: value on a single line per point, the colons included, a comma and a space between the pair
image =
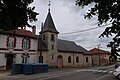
x: 99, y: 51
x: 23, y: 32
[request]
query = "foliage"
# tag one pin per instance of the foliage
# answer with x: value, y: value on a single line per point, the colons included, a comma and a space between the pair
x: 107, y: 11
x: 16, y: 14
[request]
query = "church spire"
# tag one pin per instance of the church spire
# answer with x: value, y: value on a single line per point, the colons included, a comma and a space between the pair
x: 49, y: 24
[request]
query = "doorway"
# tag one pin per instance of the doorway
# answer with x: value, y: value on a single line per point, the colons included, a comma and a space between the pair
x: 59, y: 61
x: 9, y: 61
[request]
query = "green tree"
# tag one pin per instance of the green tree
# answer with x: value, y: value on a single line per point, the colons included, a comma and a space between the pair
x: 107, y: 11
x: 16, y: 14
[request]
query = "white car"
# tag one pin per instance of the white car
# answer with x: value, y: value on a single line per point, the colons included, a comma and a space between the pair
x: 117, y: 72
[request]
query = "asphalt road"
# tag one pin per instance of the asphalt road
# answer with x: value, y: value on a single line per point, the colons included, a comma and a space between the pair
x: 84, y: 74
x: 98, y: 73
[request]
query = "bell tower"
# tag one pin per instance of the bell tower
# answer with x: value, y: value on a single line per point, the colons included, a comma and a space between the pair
x: 49, y: 35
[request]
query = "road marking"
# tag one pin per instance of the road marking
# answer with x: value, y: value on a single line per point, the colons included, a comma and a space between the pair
x: 110, y: 72
x: 93, y: 70
x: 104, y: 71
x: 100, y: 71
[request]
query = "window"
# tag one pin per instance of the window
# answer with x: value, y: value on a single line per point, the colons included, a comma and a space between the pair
x: 69, y: 59
x: 77, y: 59
x: 26, y: 43
x: 24, y: 60
x: 105, y: 55
x: 43, y: 36
x: 52, y: 37
x: 40, y: 59
x: 25, y: 57
x: 52, y: 47
x: 87, y: 59
x: 52, y: 56
x: 11, y: 42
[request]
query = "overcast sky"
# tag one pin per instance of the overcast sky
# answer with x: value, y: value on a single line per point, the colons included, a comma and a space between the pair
x: 70, y: 18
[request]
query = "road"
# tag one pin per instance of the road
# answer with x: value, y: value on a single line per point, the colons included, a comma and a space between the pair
x: 99, y: 73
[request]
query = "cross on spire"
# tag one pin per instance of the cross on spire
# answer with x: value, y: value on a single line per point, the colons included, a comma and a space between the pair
x: 49, y: 5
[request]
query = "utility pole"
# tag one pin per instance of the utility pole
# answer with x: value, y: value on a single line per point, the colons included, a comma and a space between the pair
x: 40, y: 36
x: 99, y: 54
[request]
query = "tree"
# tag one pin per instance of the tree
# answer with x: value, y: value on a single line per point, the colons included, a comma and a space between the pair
x: 16, y: 14
x: 107, y: 11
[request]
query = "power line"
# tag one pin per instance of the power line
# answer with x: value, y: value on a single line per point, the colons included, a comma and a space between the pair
x: 84, y: 30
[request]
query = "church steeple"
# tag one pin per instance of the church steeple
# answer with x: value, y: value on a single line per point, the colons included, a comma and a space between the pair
x: 49, y: 24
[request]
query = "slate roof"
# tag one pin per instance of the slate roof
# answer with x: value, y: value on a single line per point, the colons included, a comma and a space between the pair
x: 64, y: 46
x: 69, y: 46
x: 98, y: 51
x: 84, y: 50
x: 49, y: 24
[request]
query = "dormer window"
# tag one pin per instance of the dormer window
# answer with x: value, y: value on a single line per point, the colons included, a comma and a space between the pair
x: 52, y: 37
x: 26, y: 43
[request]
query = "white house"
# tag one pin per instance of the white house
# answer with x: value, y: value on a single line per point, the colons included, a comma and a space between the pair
x: 19, y: 46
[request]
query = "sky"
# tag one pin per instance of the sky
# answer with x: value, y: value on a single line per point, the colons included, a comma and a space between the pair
x: 69, y: 18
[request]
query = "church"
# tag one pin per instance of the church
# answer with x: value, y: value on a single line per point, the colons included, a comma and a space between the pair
x: 23, y: 46
x: 57, y: 52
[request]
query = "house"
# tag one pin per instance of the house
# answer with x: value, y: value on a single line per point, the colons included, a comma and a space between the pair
x: 100, y: 57
x: 57, y: 52
x: 19, y: 46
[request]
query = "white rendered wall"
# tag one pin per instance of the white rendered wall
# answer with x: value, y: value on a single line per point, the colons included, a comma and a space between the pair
x: 2, y: 60
x: 3, y: 39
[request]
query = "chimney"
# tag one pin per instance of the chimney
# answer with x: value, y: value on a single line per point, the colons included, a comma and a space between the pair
x: 34, y: 30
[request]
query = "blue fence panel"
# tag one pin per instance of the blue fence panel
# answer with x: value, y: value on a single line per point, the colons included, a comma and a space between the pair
x: 27, y: 69
x: 17, y: 69
x: 40, y: 69
x: 45, y: 68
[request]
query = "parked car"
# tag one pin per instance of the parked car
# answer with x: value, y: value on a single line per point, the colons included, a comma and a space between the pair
x: 117, y: 72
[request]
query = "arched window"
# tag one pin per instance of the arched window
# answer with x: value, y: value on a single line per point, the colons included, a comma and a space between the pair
x: 69, y: 59
x: 77, y: 59
x: 52, y: 37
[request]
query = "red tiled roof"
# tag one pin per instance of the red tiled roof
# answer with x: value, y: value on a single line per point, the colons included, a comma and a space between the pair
x: 23, y: 32
x: 99, y: 51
